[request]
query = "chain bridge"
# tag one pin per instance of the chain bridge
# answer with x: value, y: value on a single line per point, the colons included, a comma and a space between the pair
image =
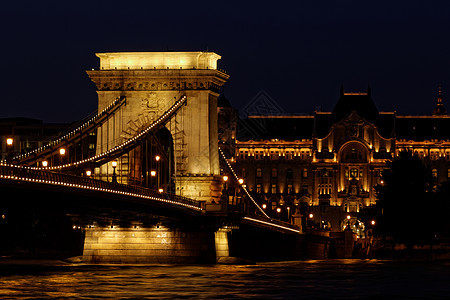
x: 153, y: 190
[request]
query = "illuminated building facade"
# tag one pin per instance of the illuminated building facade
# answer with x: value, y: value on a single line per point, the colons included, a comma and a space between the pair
x: 327, y: 163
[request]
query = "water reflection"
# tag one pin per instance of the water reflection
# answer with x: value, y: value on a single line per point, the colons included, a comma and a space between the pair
x: 352, y: 279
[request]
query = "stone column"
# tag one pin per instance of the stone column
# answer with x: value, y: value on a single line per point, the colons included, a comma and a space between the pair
x: 152, y: 82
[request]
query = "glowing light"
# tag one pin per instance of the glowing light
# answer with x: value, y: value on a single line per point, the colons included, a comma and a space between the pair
x: 264, y: 206
x: 241, y: 181
x: 348, y: 217
x: 311, y: 216
x: 114, y: 163
x: 153, y: 173
x: 88, y: 173
x: 372, y: 222
x: 157, y: 157
x: 272, y: 224
x: 9, y: 141
x: 278, y: 210
x: 44, y: 163
x: 161, y: 190
x: 62, y: 151
x: 225, y: 178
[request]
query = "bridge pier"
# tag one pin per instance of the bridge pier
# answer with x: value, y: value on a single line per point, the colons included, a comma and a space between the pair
x: 157, y: 245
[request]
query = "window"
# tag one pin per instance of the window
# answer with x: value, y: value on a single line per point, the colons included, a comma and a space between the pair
x: 448, y: 173
x: 259, y: 155
x: 258, y: 188
x: 243, y: 154
x: 274, y: 188
x: 289, y: 188
x: 361, y: 173
x: 274, y: 173
x: 305, y: 173
x: 354, y: 173
x: 258, y: 173
x: 305, y: 189
x: 434, y: 155
x: 434, y: 173
x: 91, y: 146
x: 274, y: 154
x: 324, y: 173
x: 289, y: 154
x: 289, y: 174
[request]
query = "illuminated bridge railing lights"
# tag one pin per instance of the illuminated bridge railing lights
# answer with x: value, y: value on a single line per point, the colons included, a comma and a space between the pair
x: 243, y: 187
x: 100, y: 114
x: 118, y: 149
x: 27, y: 174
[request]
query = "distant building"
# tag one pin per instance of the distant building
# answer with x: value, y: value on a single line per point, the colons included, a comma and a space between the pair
x: 21, y: 135
x: 327, y: 163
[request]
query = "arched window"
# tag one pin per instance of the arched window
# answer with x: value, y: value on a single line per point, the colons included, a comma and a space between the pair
x: 289, y: 174
x: 258, y: 173
x: 274, y: 173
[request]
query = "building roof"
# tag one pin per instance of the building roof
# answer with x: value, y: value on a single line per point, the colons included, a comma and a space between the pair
x: 420, y: 128
x: 362, y: 103
x: 275, y: 127
x: 388, y: 124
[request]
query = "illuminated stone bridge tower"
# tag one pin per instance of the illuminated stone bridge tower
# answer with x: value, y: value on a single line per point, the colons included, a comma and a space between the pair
x: 151, y: 83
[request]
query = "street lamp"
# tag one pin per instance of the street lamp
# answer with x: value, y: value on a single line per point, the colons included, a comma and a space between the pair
x: 9, y: 141
x: 278, y: 210
x: 157, y: 157
x: 114, y: 176
x: 241, y: 181
x: 153, y: 173
x: 62, y: 152
x: 88, y: 173
x: 160, y: 190
x: 372, y: 222
x: 264, y: 206
x: 44, y: 163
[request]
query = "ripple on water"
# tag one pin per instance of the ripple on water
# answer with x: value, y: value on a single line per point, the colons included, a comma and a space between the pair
x: 350, y: 279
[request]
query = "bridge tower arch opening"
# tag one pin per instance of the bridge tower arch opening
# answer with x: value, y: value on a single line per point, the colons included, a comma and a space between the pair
x: 151, y: 83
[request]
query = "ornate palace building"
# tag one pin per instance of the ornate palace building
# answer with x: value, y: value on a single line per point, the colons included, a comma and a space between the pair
x: 329, y: 162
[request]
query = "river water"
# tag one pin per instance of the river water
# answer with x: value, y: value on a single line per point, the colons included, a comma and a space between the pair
x: 344, y: 279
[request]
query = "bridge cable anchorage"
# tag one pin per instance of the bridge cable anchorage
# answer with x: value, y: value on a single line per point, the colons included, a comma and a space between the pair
x: 243, y: 187
x: 93, y: 122
x: 117, y: 151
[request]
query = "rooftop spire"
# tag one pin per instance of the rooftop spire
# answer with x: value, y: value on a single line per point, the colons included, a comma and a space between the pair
x: 439, y: 110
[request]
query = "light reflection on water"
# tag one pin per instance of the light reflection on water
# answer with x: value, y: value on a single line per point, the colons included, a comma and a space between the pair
x: 352, y: 279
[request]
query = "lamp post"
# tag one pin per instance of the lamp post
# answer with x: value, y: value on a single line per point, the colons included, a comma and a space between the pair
x: 9, y: 147
x: 62, y: 152
x: 114, y: 176
x: 158, y: 169
x: 153, y: 175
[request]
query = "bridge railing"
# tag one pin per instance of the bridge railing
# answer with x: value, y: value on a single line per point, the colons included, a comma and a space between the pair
x: 13, y: 172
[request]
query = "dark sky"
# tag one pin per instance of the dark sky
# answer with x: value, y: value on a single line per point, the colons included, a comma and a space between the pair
x: 299, y: 53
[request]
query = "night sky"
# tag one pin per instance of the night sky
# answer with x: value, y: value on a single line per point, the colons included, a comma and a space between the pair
x: 300, y: 53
